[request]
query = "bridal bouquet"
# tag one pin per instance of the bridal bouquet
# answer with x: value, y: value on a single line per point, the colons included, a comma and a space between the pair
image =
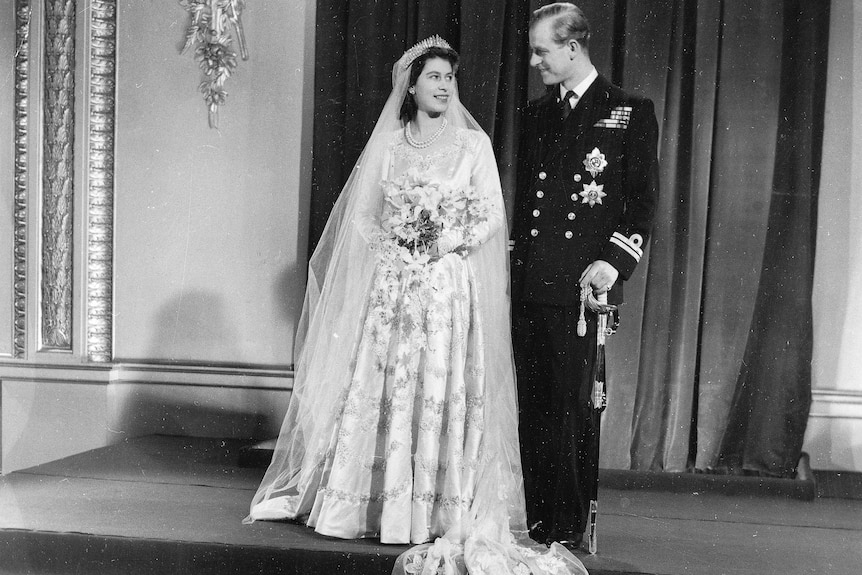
x: 423, y: 218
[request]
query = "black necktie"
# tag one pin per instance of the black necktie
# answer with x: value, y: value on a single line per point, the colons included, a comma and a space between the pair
x: 565, y: 104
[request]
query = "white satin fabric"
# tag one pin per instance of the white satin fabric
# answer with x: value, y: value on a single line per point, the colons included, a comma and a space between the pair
x: 402, y: 424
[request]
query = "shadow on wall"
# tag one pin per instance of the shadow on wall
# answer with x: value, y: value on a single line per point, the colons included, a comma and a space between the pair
x: 289, y: 291
x: 193, y: 327
x: 193, y: 411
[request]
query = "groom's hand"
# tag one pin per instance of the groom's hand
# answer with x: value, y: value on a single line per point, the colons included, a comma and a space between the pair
x: 600, y: 275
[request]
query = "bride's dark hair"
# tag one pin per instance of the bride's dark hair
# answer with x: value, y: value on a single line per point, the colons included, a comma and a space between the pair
x: 408, y: 108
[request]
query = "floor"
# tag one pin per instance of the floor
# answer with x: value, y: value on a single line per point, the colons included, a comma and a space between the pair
x: 176, y: 504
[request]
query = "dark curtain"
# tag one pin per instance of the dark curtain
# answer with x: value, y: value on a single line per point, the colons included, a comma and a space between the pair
x: 770, y: 405
x: 723, y: 379
x: 711, y: 368
x: 356, y: 44
x: 661, y: 383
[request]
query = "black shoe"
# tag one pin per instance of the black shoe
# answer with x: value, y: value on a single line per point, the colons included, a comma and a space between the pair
x: 571, y: 541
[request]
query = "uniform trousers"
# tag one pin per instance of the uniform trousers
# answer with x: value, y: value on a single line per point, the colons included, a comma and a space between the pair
x: 556, y: 420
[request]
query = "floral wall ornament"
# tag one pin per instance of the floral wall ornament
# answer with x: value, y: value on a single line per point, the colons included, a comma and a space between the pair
x: 209, y: 33
x: 21, y: 203
x: 58, y: 176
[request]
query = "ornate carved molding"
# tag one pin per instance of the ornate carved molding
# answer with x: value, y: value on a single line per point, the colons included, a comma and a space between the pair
x: 23, y: 12
x: 58, y: 175
x: 100, y: 193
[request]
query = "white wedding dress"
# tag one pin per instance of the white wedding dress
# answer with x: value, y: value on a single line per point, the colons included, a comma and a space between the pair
x: 403, y: 421
x: 403, y: 454
x: 403, y: 459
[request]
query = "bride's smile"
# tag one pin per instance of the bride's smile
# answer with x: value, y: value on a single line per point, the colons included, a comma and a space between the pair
x: 433, y: 88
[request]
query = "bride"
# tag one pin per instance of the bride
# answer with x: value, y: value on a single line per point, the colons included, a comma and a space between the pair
x: 403, y: 420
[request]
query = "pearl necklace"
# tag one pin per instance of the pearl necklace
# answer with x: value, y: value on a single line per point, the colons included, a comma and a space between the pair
x: 409, y: 137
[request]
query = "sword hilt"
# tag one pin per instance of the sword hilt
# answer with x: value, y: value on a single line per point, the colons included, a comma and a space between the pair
x: 597, y: 303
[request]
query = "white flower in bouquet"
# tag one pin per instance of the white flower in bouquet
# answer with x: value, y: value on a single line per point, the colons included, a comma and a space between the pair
x: 418, y: 212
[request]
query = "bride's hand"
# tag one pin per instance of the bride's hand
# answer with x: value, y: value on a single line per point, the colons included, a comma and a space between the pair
x: 450, y: 240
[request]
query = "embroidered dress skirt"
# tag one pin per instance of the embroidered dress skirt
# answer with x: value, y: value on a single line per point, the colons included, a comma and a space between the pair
x: 402, y: 460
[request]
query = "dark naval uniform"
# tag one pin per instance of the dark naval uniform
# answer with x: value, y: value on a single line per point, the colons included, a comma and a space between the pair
x: 587, y: 189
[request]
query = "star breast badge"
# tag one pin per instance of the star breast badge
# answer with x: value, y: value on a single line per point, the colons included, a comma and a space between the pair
x: 592, y: 193
x: 595, y: 162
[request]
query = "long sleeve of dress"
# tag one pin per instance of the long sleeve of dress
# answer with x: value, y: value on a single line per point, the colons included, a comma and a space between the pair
x: 486, y: 179
x: 367, y: 219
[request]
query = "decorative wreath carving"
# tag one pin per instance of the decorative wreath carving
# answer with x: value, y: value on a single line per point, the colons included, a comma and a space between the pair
x: 209, y: 34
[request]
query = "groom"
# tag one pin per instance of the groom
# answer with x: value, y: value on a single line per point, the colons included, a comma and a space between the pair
x: 586, y: 194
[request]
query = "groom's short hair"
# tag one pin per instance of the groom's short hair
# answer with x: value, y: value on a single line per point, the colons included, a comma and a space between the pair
x: 570, y: 23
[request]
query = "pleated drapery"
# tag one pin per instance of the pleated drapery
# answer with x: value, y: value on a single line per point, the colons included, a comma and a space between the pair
x: 768, y: 410
x: 358, y: 41
x: 711, y: 367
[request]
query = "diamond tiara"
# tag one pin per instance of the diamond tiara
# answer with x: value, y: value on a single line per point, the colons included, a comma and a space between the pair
x: 434, y: 41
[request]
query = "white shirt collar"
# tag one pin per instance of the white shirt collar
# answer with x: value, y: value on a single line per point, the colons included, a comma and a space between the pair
x: 582, y: 86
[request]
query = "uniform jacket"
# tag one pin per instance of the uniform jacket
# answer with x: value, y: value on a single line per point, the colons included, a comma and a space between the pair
x: 586, y: 190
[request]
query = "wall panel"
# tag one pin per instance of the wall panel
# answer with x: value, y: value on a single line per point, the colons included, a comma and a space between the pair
x: 834, y: 435
x: 7, y: 170
x: 210, y: 224
x: 180, y: 250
